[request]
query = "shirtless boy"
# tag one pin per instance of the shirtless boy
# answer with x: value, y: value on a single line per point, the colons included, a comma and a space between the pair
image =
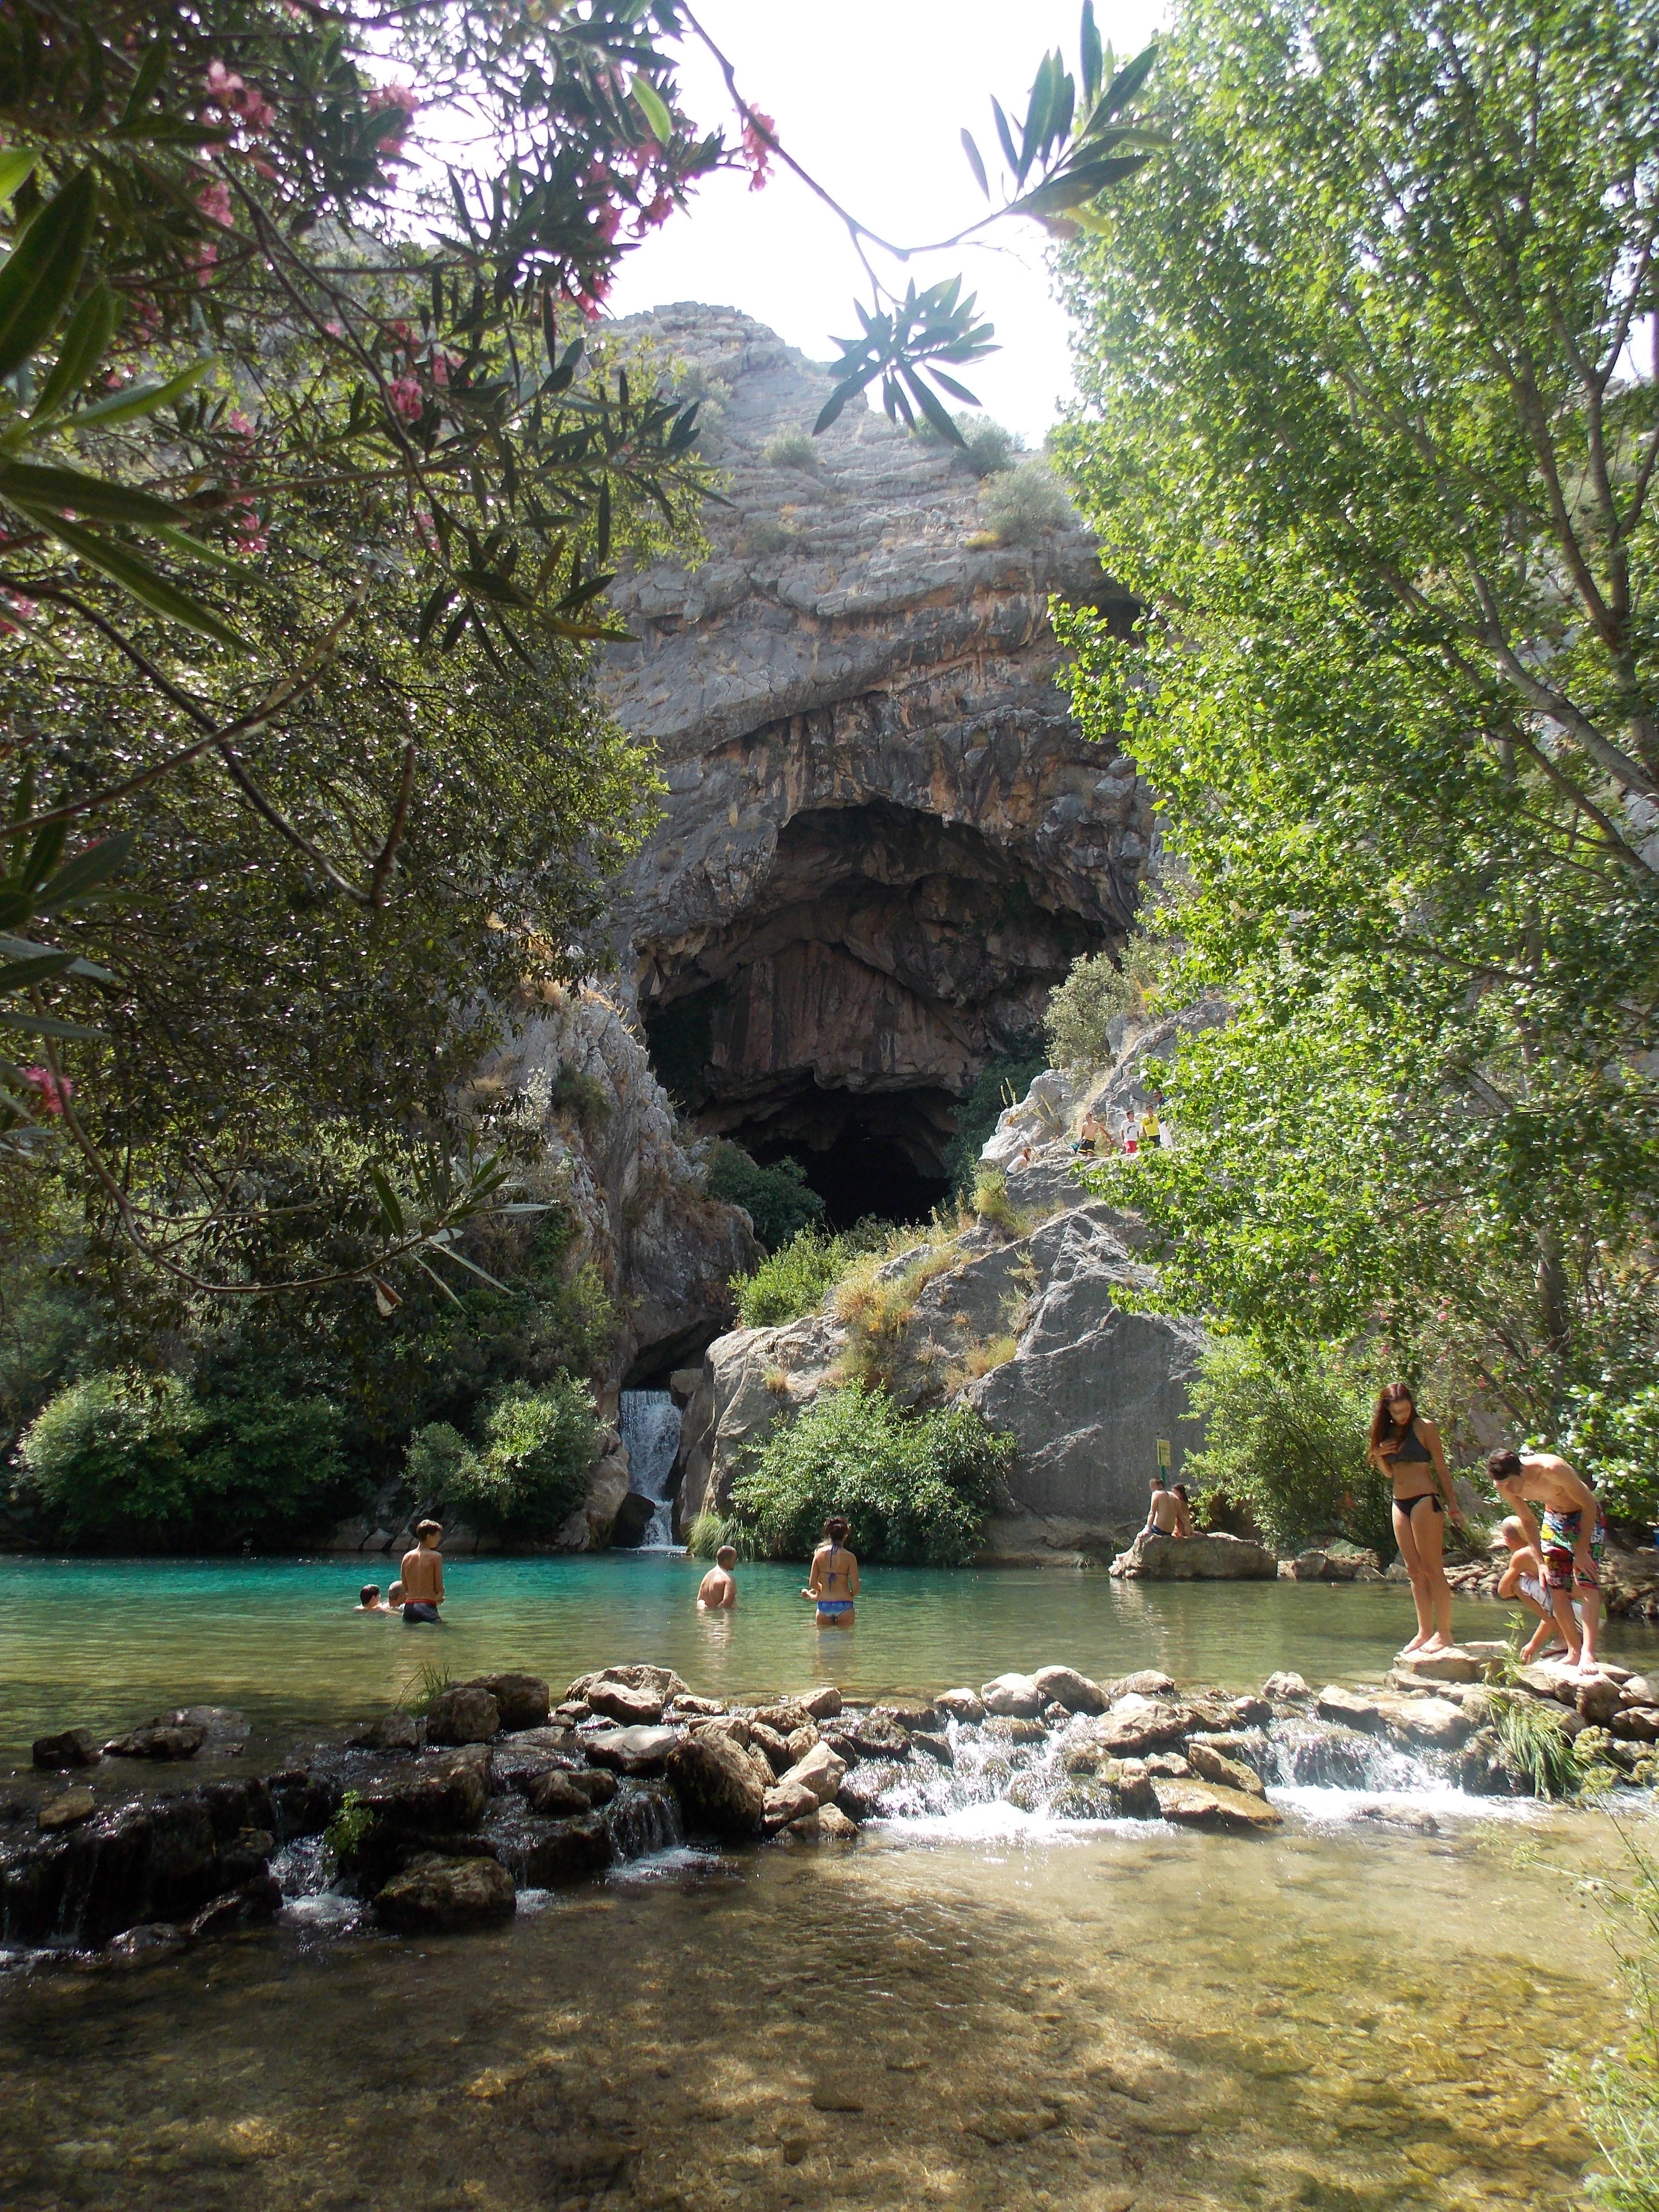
x: 1523, y: 1577
x: 423, y: 1576
x: 1570, y: 1543
x: 718, y: 1590
x: 368, y: 1599
x: 1164, y: 1513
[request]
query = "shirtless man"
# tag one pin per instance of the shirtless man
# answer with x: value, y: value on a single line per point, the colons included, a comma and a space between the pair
x: 833, y: 1582
x: 718, y: 1590
x: 423, y: 1576
x: 368, y: 1599
x: 1570, y: 1543
x: 1164, y: 1513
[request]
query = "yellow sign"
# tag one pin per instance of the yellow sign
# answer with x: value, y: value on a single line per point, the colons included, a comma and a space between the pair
x: 1163, y: 1453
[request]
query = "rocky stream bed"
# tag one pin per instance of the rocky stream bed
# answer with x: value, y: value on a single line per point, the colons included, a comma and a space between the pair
x: 444, y: 1819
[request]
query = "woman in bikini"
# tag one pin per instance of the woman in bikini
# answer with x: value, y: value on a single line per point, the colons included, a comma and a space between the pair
x: 1406, y: 1448
x: 833, y: 1582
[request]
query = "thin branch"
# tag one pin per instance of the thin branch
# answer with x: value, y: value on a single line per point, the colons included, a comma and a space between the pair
x: 377, y: 882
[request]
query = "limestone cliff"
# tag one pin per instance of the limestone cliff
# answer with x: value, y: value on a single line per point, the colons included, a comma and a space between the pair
x: 885, y: 839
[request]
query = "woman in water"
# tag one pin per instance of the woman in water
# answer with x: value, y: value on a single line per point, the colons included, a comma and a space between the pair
x: 1406, y: 1448
x: 833, y: 1582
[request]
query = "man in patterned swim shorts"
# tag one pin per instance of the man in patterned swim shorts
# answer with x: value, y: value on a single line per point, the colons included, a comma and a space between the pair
x: 1570, y: 1543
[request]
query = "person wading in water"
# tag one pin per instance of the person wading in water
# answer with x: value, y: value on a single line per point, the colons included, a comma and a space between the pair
x: 1408, y: 1449
x: 833, y: 1582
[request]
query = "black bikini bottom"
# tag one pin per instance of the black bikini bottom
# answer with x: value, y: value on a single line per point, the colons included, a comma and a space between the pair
x: 1409, y: 1505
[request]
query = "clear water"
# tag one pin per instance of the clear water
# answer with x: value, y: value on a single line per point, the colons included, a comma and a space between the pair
x: 1358, y: 2020
x: 101, y: 1642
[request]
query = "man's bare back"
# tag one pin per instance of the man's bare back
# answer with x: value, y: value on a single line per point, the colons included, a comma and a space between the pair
x: 423, y: 1575
x: 1164, y: 1513
x: 718, y: 1590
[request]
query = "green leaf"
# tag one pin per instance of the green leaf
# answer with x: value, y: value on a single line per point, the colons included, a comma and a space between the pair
x: 931, y: 408
x: 136, y: 577
x: 150, y: 72
x: 142, y: 399
x: 392, y: 1210
x: 974, y: 163
x: 51, y: 489
x: 957, y: 390
x: 85, y: 341
x: 1074, y: 188
x: 1092, y: 53
x: 21, y: 948
x: 86, y: 872
x: 15, y: 164
x: 1006, y: 135
x: 47, y: 1025
x: 1128, y: 83
x: 658, y: 120
x: 21, y: 975
x: 42, y: 270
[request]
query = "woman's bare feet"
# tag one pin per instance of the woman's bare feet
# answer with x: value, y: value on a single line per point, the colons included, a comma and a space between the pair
x: 1416, y: 1644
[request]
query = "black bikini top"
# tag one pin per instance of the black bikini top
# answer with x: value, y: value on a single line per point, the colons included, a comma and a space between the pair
x: 1412, y: 1448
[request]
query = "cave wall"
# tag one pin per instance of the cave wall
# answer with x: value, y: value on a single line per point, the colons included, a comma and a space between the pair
x: 884, y: 839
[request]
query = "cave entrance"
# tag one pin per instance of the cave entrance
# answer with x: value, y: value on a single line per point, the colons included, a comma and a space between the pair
x: 865, y: 1168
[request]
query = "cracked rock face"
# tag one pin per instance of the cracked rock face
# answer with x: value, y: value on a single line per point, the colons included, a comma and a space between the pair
x: 885, y: 839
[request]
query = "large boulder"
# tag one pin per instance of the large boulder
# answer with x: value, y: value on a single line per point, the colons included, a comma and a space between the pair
x: 567, y: 1849
x: 821, y: 1771
x: 1195, y: 1559
x: 462, y: 1714
x: 718, y: 1791
x: 70, y: 1747
x: 438, y: 1895
x: 630, y: 1708
x: 522, y: 1701
x: 634, y: 1751
x: 1015, y: 1696
x: 1064, y: 1686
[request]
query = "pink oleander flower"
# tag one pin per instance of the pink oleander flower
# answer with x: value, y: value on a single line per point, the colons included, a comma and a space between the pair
x: 405, y: 398
x: 654, y: 216
x: 756, y: 149
x: 213, y: 200
x: 55, y: 1091
x: 607, y: 221
x: 205, y: 261
x: 224, y: 88
x: 443, y: 364
x: 238, y: 423
x: 256, y: 112
x: 592, y: 299
x: 402, y: 96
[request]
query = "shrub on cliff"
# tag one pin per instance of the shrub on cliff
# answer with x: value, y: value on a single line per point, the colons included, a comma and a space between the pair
x: 1022, y: 505
x: 792, y: 1281
x: 916, y: 1489
x: 1284, y: 1437
x: 1004, y: 1083
x: 118, y: 1457
x: 778, y: 1200
x: 1096, y: 991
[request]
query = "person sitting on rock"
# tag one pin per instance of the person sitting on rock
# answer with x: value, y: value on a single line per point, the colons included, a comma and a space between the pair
x: 1523, y: 1577
x: 423, y: 1577
x: 833, y: 1582
x: 1570, y: 1540
x: 718, y: 1590
x: 1185, y: 1526
x: 369, y: 1601
x: 1164, y: 1513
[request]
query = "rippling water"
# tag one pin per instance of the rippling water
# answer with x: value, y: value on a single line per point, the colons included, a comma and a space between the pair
x: 101, y: 1642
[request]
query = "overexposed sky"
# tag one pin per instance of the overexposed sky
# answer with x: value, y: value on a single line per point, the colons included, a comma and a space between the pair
x: 870, y: 96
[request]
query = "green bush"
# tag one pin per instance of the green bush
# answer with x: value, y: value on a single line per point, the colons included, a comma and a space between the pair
x: 791, y: 449
x: 120, y: 1458
x: 1284, y: 1437
x: 1022, y: 504
x: 778, y: 1200
x: 915, y: 1490
x: 1004, y: 1083
x: 1098, y: 988
x: 792, y: 1281
x: 584, y: 1097
x: 989, y: 445
x: 531, y: 1469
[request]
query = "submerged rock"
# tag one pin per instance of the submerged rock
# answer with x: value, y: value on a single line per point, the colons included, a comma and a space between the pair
x: 398, y: 1730
x: 556, y: 1851
x: 435, y: 1894
x: 156, y: 1740
x: 67, y: 1810
x: 1209, y: 1764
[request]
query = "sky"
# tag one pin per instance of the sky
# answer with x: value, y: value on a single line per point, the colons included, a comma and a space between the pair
x: 870, y: 96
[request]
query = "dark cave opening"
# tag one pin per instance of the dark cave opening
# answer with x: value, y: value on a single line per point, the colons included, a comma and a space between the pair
x: 865, y: 1169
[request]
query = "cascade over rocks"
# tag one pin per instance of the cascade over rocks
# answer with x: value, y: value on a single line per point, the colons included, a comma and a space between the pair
x: 885, y: 840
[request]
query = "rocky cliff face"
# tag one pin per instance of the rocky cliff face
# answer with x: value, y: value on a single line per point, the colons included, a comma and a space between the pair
x: 885, y: 839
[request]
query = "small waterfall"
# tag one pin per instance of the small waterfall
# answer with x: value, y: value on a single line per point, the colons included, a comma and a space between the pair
x: 650, y: 1422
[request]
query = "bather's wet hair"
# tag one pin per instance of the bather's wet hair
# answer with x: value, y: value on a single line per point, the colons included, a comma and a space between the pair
x: 429, y: 1529
x: 836, y: 1530
x: 1383, y: 1420
x: 726, y: 1557
x: 369, y: 1594
x: 1503, y: 1466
